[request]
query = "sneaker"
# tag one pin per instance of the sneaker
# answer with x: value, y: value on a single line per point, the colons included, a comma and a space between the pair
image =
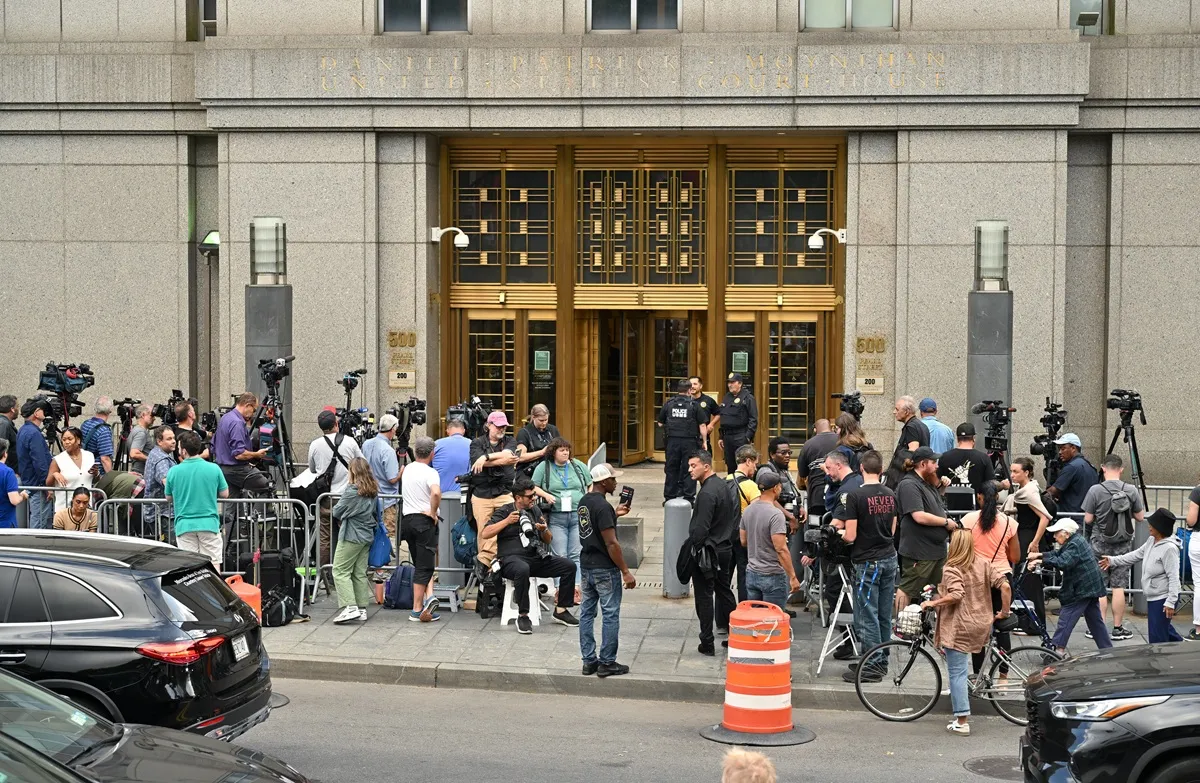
x: 870, y: 674
x: 722, y: 631
x: 433, y: 618
x: 706, y: 649
x: 348, y: 614
x: 954, y: 727
x: 429, y: 607
x: 524, y: 624
x: 362, y: 613
x: 414, y: 617
x: 612, y: 669
x: 564, y: 617
x: 1120, y: 632
x: 1194, y: 636
x: 844, y: 653
x: 590, y: 668
x: 1018, y: 631
x: 725, y: 643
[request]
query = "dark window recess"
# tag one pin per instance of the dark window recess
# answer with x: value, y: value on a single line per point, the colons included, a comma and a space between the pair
x: 611, y: 14
x: 402, y: 16
x: 68, y: 600
x: 197, y: 596
x: 8, y: 580
x: 658, y: 14
x: 447, y: 16
x: 27, y: 606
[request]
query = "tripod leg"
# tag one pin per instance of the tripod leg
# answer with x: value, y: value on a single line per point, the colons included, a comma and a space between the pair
x: 1112, y: 444
x: 1135, y: 468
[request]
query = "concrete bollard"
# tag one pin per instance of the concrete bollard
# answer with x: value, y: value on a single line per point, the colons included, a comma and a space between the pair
x: 450, y: 510
x: 1141, y: 531
x: 677, y: 515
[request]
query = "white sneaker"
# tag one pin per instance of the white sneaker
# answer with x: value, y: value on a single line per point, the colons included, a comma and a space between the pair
x: 348, y: 614
x: 954, y: 727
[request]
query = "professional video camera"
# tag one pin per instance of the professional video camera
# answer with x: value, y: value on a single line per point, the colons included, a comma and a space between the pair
x: 473, y: 412
x: 410, y: 413
x: 166, y: 413
x: 125, y: 409
x: 851, y: 402
x: 357, y: 423
x: 995, y: 441
x: 828, y: 544
x: 210, y: 419
x: 1126, y: 402
x: 65, y: 382
x: 273, y: 371
x: 1043, y: 445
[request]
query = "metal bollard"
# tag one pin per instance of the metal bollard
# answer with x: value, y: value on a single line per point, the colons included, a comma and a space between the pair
x: 450, y: 509
x: 1141, y: 531
x: 677, y: 516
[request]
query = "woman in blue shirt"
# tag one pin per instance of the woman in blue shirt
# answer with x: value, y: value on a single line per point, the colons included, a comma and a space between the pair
x: 563, y: 481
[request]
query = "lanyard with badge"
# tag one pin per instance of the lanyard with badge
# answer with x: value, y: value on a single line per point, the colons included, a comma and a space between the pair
x: 565, y: 500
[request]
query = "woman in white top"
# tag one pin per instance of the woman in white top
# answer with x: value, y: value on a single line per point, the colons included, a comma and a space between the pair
x: 72, y: 467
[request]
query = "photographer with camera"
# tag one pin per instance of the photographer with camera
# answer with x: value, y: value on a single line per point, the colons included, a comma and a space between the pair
x: 493, y: 461
x: 97, y: 435
x: 534, y: 437
x: 913, y: 434
x: 1111, y: 510
x: 385, y: 466
x: 8, y: 430
x: 778, y: 463
x: 231, y: 448
x: 870, y: 529
x: 33, y: 459
x: 1077, y: 476
x: 521, y: 537
x: 140, y: 439
x: 452, y: 455
x: 924, y: 526
x: 185, y: 421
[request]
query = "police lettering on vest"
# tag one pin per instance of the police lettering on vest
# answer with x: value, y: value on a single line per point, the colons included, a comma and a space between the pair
x: 683, y: 420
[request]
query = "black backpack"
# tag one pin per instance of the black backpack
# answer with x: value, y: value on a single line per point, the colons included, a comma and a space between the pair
x: 1117, y: 527
x: 324, y: 482
x: 733, y: 482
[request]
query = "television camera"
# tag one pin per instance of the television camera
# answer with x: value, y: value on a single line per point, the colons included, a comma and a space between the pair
x: 851, y: 402
x: 473, y: 412
x: 998, y: 417
x: 1054, y: 419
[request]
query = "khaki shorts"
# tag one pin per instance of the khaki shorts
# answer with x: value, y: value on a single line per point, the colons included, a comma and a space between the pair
x: 203, y: 543
x: 915, y: 574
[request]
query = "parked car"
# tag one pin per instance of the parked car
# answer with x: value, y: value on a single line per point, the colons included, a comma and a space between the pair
x: 134, y: 631
x: 46, y: 739
x: 1126, y: 715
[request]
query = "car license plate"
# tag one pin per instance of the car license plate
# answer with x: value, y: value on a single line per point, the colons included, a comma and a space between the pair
x: 241, y: 648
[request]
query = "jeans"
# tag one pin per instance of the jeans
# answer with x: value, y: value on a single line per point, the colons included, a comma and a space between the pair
x: 564, y: 541
x: 772, y: 588
x: 874, y: 594
x: 601, y: 586
x: 41, y: 511
x: 706, y: 591
x: 959, y: 664
x: 520, y: 569
x: 1160, y: 628
x: 1089, y: 610
x: 350, y: 574
x: 741, y: 561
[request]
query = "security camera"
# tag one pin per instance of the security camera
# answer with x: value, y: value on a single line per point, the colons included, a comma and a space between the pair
x: 461, y: 241
x: 815, y: 242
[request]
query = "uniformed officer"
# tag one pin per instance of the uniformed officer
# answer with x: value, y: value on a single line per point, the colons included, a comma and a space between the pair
x: 710, y: 409
x: 739, y: 420
x: 681, y: 420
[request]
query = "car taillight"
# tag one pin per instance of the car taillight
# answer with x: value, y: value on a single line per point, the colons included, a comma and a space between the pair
x: 181, y: 652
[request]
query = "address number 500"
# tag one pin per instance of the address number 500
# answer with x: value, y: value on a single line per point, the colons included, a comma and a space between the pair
x: 872, y: 344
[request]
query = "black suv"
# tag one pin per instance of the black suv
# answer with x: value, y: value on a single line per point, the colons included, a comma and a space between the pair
x: 1125, y: 715
x: 132, y: 630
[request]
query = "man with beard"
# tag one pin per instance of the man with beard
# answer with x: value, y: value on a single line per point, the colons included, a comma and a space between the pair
x: 924, y: 526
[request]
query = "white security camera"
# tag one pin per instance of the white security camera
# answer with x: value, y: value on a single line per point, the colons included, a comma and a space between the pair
x: 461, y: 241
x: 816, y: 242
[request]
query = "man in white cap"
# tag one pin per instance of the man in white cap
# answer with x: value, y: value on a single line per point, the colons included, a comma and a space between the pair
x: 1075, y: 479
x: 604, y: 573
x: 493, y: 460
x: 385, y: 465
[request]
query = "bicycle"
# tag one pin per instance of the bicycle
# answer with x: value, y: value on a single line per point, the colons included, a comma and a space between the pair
x: 912, y: 680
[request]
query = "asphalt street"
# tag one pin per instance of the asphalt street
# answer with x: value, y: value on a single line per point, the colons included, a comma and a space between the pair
x: 361, y: 733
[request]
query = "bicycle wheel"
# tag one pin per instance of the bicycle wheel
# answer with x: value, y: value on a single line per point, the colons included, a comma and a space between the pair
x: 910, y: 687
x: 1006, y: 692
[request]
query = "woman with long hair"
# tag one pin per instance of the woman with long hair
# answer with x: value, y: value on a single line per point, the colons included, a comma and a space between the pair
x: 965, y: 617
x: 852, y: 439
x: 995, y: 535
x: 71, y: 467
x: 1028, y: 505
x: 356, y: 512
x: 563, y: 480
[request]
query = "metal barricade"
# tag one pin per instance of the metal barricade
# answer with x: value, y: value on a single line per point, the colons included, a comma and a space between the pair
x: 134, y: 524
x: 1174, y: 498
x: 23, y: 508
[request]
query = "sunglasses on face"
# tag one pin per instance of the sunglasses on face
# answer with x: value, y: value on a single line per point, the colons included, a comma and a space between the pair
x: 527, y: 496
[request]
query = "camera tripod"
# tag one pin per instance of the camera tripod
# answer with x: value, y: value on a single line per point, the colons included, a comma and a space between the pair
x: 270, y: 410
x: 1126, y: 432
x: 846, y: 634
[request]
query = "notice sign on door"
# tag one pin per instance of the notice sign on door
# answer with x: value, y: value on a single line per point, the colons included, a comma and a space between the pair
x: 541, y: 361
x: 741, y: 361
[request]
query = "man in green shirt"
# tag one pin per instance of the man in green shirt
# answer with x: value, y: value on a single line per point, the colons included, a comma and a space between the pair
x: 193, y: 486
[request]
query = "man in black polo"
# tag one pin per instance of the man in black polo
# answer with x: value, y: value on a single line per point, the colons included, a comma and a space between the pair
x: 708, y: 407
x: 1076, y: 478
x: 808, y: 465
x: 682, y: 423
x: 713, y: 525
x: 739, y: 420
x: 913, y: 433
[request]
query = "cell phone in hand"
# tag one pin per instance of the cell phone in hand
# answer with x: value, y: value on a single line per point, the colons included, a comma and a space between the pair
x: 626, y: 498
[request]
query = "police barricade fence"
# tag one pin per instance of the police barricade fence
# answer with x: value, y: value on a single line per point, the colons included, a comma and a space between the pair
x: 98, y: 496
x: 1173, y: 498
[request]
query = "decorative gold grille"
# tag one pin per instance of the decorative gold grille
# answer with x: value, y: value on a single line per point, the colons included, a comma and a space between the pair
x: 676, y: 226
x: 772, y: 213
x: 791, y: 380
x: 508, y: 217
x: 491, y: 346
x: 606, y: 226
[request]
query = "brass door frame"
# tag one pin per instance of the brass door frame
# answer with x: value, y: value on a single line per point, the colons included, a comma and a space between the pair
x: 461, y: 332
x: 642, y: 337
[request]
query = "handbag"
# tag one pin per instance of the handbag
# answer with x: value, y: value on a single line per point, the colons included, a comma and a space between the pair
x: 323, y: 483
x: 381, y: 548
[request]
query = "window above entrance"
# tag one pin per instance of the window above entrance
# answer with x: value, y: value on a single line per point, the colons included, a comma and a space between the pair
x: 508, y: 216
x: 632, y: 15
x: 849, y: 14
x: 424, y: 16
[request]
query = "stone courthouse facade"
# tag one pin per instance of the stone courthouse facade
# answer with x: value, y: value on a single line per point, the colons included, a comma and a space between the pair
x: 638, y: 181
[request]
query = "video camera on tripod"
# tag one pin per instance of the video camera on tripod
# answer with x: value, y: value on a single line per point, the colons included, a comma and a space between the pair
x: 166, y: 412
x: 997, y: 417
x: 851, y: 402
x: 473, y: 412
x: 126, y: 410
x: 1126, y: 402
x: 357, y: 423
x: 410, y: 413
x: 268, y: 429
x: 1053, y: 421
x: 273, y: 371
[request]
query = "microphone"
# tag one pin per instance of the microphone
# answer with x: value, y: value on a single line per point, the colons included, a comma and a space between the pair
x: 979, y: 407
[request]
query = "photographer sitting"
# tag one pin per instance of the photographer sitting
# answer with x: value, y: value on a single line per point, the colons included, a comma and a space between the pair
x: 521, y: 538
x: 493, y: 461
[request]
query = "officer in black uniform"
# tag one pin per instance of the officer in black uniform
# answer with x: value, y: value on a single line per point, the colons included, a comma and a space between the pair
x: 681, y: 419
x: 739, y: 420
x: 710, y: 409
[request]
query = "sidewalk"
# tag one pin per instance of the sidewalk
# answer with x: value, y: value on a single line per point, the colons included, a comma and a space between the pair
x: 658, y: 642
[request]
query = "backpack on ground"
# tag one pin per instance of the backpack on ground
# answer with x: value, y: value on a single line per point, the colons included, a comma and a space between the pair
x: 1117, y: 527
x: 465, y: 541
x: 398, y: 591
x: 278, y: 608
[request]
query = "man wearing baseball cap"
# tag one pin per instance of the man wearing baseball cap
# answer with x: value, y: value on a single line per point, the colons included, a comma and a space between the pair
x: 739, y: 419
x: 493, y: 460
x: 965, y: 465
x: 941, y: 437
x: 1075, y: 479
x: 385, y: 465
x: 1082, y: 584
x: 605, y: 575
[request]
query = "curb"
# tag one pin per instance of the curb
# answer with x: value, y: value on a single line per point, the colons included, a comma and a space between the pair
x: 456, y: 675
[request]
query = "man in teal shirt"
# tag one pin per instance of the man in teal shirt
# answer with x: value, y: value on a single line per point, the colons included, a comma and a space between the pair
x: 193, y: 487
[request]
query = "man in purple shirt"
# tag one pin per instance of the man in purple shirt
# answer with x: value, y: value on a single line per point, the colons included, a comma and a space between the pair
x: 231, y: 449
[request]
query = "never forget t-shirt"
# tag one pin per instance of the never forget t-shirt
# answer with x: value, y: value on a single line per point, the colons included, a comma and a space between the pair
x: 194, y: 485
x: 917, y: 541
x: 761, y: 520
x: 965, y: 468
x: 873, y: 507
x: 596, y: 515
x: 914, y: 429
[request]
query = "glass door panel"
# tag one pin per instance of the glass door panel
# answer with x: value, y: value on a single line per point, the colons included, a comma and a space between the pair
x: 633, y: 390
x: 491, y: 359
x: 542, y: 365
x: 672, y: 347
x: 791, y: 379
x: 739, y: 356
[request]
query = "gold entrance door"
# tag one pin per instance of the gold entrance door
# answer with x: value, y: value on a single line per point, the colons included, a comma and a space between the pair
x: 634, y: 398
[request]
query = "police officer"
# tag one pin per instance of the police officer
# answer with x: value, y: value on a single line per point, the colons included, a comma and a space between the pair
x: 681, y: 420
x: 739, y: 420
x: 710, y: 409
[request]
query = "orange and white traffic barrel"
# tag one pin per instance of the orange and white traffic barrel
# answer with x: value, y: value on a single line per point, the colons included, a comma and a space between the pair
x: 758, y: 680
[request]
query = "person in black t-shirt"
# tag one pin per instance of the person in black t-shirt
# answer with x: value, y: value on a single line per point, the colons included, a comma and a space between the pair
x: 964, y: 465
x: 604, y: 575
x: 809, y: 462
x: 517, y: 528
x: 493, y: 458
x: 870, y: 529
x: 914, y: 434
x: 533, y: 439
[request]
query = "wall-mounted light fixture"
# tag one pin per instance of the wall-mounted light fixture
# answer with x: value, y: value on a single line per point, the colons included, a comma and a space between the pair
x: 991, y: 255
